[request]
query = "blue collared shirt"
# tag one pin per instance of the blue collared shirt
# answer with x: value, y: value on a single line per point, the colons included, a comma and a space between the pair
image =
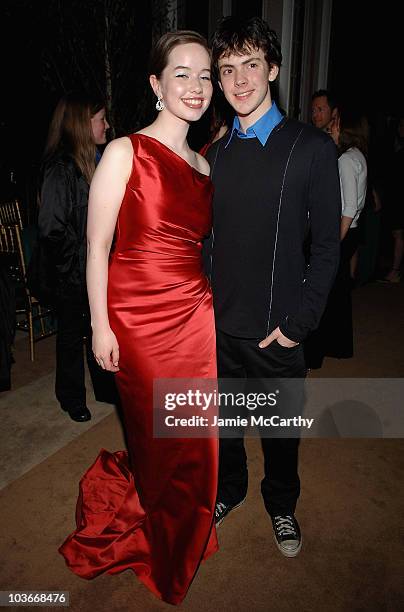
x: 261, y: 128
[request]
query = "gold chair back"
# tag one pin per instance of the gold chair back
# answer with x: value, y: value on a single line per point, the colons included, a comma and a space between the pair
x: 10, y: 213
x: 29, y: 310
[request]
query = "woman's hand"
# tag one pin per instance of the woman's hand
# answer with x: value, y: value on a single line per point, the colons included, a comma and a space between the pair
x: 106, y: 350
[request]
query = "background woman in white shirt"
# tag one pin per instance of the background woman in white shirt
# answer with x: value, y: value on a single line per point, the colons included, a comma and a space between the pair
x: 350, y: 134
x: 334, y: 336
x: 351, y: 138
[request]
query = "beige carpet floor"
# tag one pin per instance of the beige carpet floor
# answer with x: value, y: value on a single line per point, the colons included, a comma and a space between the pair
x: 31, y: 424
x: 350, y: 510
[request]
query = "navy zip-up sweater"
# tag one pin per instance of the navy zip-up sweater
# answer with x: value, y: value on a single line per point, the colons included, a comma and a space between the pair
x: 265, y: 197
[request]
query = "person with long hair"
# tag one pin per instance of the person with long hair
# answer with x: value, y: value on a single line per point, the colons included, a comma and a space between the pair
x: 151, y: 508
x: 351, y: 135
x: 77, y: 127
x: 334, y: 336
x: 220, y: 120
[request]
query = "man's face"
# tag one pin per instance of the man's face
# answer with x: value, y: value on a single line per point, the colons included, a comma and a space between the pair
x: 244, y: 80
x: 321, y: 113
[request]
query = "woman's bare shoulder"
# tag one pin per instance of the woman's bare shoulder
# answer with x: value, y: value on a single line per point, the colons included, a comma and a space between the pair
x: 117, y: 158
x: 119, y: 146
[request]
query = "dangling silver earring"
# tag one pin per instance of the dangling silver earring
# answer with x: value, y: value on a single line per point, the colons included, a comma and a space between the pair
x: 160, y: 104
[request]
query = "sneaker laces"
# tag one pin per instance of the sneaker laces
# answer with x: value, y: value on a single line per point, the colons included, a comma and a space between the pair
x: 284, y: 525
x: 219, y: 509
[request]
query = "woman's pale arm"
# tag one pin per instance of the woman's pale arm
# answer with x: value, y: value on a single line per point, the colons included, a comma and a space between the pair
x: 345, y: 225
x: 106, y: 194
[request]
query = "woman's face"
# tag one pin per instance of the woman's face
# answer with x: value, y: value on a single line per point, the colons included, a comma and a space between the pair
x: 99, y: 126
x: 185, y: 83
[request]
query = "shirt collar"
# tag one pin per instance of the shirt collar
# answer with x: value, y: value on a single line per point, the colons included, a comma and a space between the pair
x: 261, y: 129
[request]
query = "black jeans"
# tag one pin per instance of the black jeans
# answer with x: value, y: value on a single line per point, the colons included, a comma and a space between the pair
x: 280, y: 487
x: 74, y: 330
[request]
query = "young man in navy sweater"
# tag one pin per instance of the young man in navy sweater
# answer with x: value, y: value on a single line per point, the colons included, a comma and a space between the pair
x: 273, y: 177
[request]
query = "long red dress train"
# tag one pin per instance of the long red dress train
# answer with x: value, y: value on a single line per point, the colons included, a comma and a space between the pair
x: 151, y: 509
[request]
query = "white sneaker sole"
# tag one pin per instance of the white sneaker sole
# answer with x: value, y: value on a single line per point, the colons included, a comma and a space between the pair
x: 234, y: 508
x: 289, y: 553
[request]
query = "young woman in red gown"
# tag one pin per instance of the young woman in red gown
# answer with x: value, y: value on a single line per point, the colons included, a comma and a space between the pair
x: 151, y: 508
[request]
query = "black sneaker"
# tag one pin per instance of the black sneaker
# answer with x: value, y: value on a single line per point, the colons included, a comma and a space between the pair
x: 222, y: 510
x: 287, y: 534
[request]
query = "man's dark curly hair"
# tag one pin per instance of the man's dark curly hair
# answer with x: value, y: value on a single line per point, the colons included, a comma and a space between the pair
x: 241, y: 36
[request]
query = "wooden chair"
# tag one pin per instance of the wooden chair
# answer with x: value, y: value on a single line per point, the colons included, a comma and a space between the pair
x: 10, y: 213
x: 28, y: 309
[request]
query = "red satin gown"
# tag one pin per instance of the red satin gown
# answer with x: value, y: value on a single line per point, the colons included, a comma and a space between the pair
x: 151, y: 509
